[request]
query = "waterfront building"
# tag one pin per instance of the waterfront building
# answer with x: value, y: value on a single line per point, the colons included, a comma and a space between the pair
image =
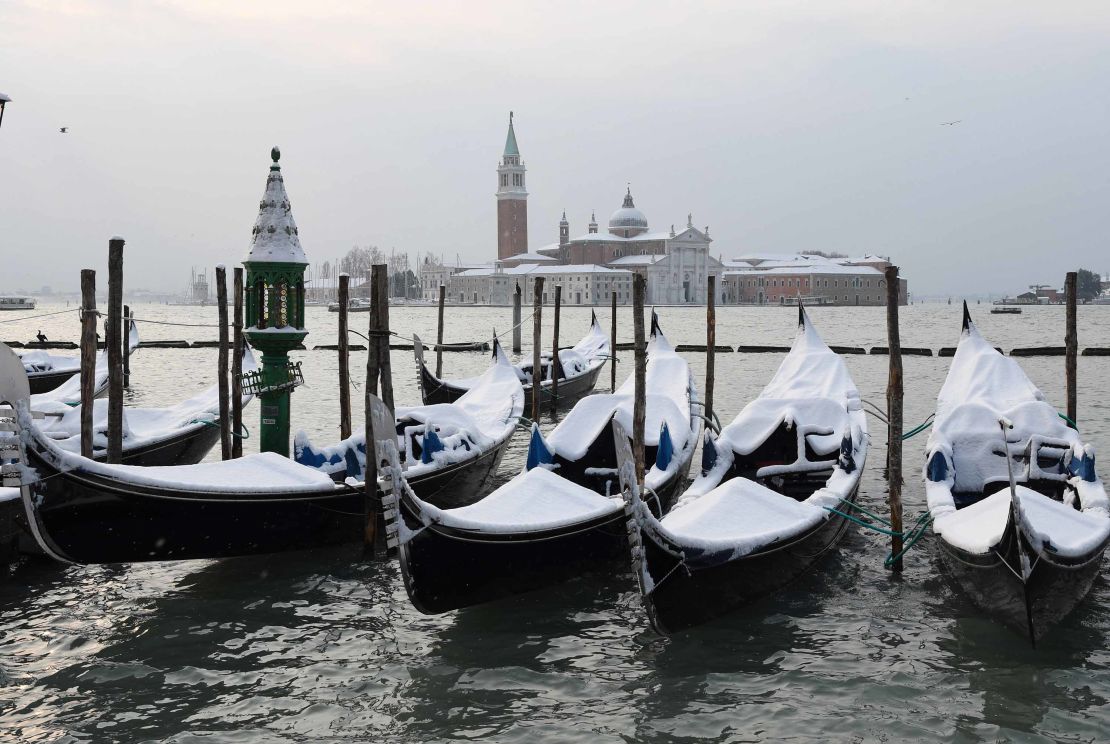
x: 774, y: 279
x: 583, y: 284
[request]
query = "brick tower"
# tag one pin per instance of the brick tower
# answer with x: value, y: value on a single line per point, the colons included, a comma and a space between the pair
x: 512, y: 200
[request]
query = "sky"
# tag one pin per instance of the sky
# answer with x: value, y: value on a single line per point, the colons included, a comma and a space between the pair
x: 782, y: 126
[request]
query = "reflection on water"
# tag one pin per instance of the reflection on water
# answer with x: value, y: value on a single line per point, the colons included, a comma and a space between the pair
x: 323, y: 646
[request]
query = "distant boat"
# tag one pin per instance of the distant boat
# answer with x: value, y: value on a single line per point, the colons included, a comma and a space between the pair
x: 1006, y: 311
x: 354, y: 305
x: 17, y: 303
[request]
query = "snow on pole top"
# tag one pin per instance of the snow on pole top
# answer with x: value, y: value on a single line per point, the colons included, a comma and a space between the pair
x: 275, y: 238
x: 4, y: 98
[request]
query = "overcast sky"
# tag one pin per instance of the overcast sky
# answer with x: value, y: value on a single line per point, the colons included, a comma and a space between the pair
x: 783, y: 126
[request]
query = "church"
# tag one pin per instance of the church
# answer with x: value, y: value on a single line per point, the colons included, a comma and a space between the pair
x: 676, y: 264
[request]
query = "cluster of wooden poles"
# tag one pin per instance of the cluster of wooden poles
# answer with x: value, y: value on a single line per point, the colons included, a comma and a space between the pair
x: 378, y: 368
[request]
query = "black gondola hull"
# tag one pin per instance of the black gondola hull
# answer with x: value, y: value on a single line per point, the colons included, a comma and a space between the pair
x: 1054, y: 587
x: 85, y: 518
x: 447, y: 569
x: 688, y: 595
x: 459, y: 484
x: 185, y: 448
x: 434, y: 390
x: 44, y: 382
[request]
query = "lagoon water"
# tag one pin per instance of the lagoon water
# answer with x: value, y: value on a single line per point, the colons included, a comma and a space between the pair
x: 324, y: 646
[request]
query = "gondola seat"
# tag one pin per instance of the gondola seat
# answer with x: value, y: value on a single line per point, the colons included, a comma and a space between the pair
x: 536, y: 501
x: 1061, y: 529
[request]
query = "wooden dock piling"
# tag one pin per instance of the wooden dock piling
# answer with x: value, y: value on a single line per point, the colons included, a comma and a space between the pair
x: 894, y: 416
x: 439, y: 332
x: 1071, y: 344
x: 88, y: 358
x: 114, y: 351
x: 344, y: 359
x: 639, y: 405
x: 613, y: 344
x: 237, y: 366
x: 222, y: 365
x: 537, y: 368
x: 710, y: 345
x: 516, y: 319
x: 378, y: 369
x: 555, y: 353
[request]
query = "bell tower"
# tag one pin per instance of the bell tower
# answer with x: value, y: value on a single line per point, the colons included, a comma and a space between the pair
x: 564, y: 229
x: 512, y: 200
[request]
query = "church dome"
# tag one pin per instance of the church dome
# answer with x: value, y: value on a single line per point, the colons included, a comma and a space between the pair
x: 628, y: 220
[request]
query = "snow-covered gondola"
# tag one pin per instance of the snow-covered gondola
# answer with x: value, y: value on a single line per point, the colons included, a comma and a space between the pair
x: 579, y: 368
x: 767, y: 504
x: 182, y: 434
x: 1021, y: 517
x: 68, y: 390
x: 83, y: 511
x: 448, y: 450
x: 46, y: 371
x: 562, y: 515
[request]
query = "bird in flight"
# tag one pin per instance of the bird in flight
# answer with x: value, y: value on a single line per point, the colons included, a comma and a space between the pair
x: 63, y: 130
x: 950, y: 123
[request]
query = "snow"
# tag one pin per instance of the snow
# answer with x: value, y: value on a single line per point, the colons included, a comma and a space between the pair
x: 69, y: 392
x: 812, y: 388
x: 484, y: 416
x: 668, y: 399
x: 739, y: 514
x: 983, y: 386
x: 42, y: 361
x: 9, y: 494
x: 979, y: 527
x: 533, y: 501
x: 253, y: 475
x: 275, y: 237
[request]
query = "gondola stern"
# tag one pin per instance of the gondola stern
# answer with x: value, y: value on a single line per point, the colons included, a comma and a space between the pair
x: 539, y: 451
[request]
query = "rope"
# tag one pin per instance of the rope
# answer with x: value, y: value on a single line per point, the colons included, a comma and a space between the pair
x: 245, y: 435
x: 1064, y: 416
x: 917, y: 430
x: 41, y: 315
x: 910, y: 536
x: 184, y: 325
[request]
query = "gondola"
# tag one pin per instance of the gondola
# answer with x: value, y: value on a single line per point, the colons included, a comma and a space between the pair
x: 467, y: 441
x: 578, y: 368
x: 561, y: 516
x: 182, y: 434
x: 46, y: 371
x: 68, y: 391
x: 769, y: 502
x: 1022, y: 518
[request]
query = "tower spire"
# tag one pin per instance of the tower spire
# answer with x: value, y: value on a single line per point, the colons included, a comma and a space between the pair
x: 511, y: 149
x: 512, y: 199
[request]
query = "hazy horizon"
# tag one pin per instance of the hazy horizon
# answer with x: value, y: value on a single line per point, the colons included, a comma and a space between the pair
x: 781, y: 126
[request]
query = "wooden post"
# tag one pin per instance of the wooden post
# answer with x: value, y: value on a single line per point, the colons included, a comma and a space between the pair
x: 221, y: 364
x: 344, y: 360
x: 516, y: 319
x: 613, y: 347
x: 555, y: 353
x: 439, y: 332
x: 88, y: 358
x: 125, y: 346
x: 114, y: 351
x: 894, y: 415
x: 381, y: 289
x: 639, y: 404
x: 1071, y: 347
x: 237, y: 367
x: 537, y: 368
x: 710, y: 345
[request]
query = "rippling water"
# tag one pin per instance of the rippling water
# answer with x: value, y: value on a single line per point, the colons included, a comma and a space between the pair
x: 324, y: 646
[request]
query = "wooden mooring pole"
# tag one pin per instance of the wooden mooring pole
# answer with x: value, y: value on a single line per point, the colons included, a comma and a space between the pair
x: 114, y: 350
x: 555, y: 353
x: 125, y: 345
x: 439, y: 332
x: 516, y: 319
x: 639, y: 405
x: 1071, y: 348
x: 894, y: 416
x: 377, y: 370
x: 344, y: 360
x: 88, y: 358
x: 613, y: 346
x: 537, y: 367
x: 710, y: 345
x: 381, y: 291
x: 237, y: 366
x: 222, y: 365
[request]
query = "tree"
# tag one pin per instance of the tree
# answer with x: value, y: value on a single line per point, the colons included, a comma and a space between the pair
x: 358, y: 261
x: 1088, y: 285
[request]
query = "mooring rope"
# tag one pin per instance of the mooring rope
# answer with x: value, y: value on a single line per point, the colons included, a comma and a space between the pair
x: 41, y: 315
x: 910, y: 536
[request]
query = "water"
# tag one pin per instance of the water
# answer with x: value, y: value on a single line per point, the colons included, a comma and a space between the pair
x: 324, y: 646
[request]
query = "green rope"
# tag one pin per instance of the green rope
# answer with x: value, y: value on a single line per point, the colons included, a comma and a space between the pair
x: 910, y: 536
x: 861, y: 523
x: 917, y: 430
x: 1064, y: 416
x: 863, y: 511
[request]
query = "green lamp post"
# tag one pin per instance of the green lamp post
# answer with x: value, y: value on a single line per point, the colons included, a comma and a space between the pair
x: 275, y: 309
